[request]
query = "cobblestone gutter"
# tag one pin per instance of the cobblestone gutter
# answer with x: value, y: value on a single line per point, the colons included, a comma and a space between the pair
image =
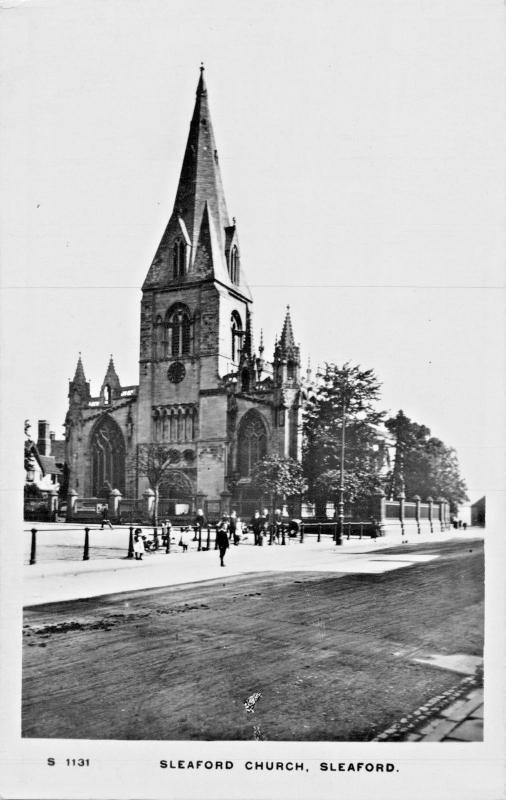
x: 454, y: 715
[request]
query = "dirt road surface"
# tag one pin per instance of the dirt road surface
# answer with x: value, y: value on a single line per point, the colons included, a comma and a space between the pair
x: 278, y: 656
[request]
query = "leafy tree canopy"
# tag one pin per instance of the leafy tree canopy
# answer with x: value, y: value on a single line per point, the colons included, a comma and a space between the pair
x: 274, y: 476
x: 424, y: 465
x: 347, y: 393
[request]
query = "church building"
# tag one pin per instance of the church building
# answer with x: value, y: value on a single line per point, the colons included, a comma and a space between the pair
x: 204, y: 390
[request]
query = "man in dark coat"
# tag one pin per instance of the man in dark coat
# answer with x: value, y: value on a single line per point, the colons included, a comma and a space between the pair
x: 232, y: 527
x: 256, y: 527
x: 222, y: 540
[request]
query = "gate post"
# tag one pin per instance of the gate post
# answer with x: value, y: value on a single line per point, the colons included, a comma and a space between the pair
x: 430, y: 501
x: 71, y: 504
x: 418, y: 501
x: 402, y: 499
x: 131, y: 543
x: 148, y: 498
x: 113, y: 505
x: 441, y: 501
x: 52, y: 504
x: 379, y: 510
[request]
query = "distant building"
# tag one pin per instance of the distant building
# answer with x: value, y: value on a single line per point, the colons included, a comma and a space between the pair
x: 203, y: 387
x: 478, y: 512
x: 44, y: 459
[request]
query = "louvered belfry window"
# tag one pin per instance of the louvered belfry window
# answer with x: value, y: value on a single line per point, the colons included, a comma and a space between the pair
x: 179, y: 330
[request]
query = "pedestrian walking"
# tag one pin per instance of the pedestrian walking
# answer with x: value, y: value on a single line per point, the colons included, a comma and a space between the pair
x: 278, y: 524
x: 138, y: 544
x: 105, y: 518
x: 222, y: 540
x: 232, y: 527
x: 166, y: 532
x: 256, y: 527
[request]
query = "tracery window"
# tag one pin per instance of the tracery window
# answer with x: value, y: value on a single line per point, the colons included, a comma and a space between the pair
x: 251, y: 444
x: 178, y: 331
x: 107, y: 447
x: 237, y: 334
x: 179, y: 258
x: 234, y: 265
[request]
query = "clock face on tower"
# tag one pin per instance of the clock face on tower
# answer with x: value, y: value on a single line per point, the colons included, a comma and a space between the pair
x: 176, y: 372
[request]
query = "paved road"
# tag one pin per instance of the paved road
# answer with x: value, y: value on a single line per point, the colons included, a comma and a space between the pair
x: 333, y: 655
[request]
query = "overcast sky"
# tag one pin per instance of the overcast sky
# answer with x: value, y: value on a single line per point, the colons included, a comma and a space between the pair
x: 360, y: 144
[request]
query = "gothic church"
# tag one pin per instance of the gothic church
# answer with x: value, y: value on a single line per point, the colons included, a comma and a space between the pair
x: 203, y: 390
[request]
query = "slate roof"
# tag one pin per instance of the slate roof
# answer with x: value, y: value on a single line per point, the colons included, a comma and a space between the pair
x: 48, y: 465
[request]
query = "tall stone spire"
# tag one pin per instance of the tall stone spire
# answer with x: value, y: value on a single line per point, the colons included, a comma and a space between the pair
x: 200, y: 179
x: 199, y: 219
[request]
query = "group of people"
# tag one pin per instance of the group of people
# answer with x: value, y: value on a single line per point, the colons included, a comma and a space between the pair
x: 275, y: 528
x: 229, y: 530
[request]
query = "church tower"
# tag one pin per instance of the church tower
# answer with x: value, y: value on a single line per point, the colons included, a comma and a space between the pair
x: 195, y: 307
x: 204, y: 393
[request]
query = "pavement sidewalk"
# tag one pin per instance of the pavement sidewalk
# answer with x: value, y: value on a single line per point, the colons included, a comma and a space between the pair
x: 454, y: 716
x: 59, y: 581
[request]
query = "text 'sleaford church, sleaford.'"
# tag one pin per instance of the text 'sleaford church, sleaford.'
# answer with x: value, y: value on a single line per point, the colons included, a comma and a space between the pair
x: 203, y: 389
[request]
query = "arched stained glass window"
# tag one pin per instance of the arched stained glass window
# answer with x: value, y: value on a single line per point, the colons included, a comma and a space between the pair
x: 107, y: 447
x: 179, y: 331
x: 179, y: 258
x: 251, y: 443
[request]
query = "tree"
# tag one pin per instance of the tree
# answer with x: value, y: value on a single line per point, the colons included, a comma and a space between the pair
x: 424, y: 465
x: 154, y: 462
x: 277, y: 477
x: 343, y: 396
